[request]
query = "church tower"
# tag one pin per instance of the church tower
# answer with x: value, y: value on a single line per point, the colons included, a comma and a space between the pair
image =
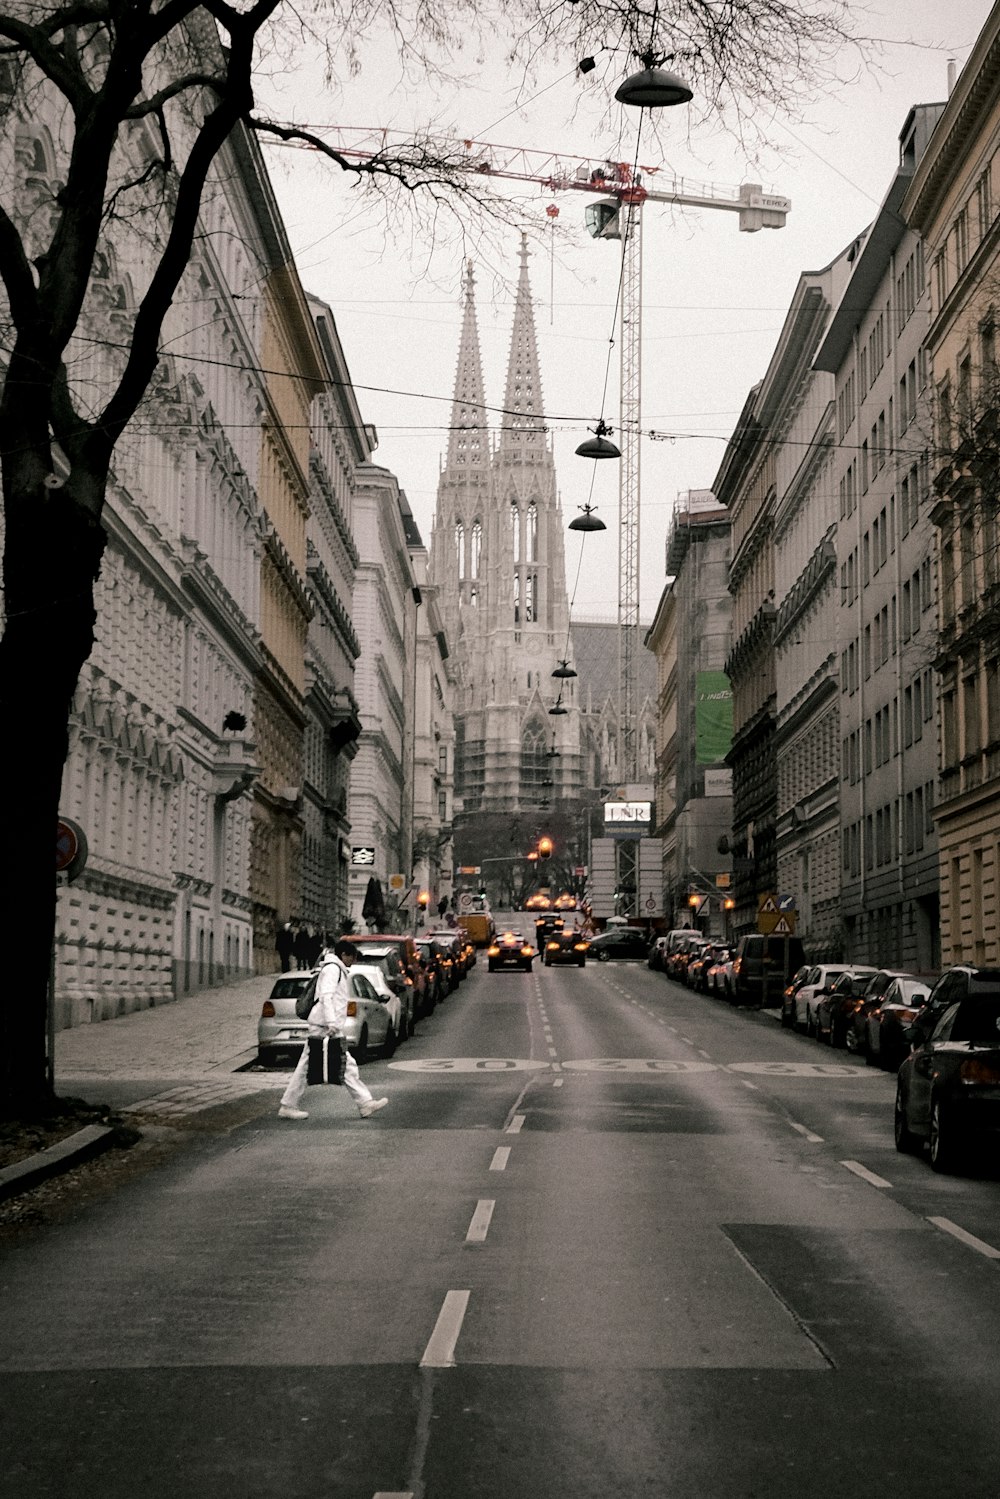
x: 498, y: 563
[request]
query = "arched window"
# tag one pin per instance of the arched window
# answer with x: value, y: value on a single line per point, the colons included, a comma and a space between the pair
x: 534, y: 762
x: 460, y: 548
x: 515, y: 530
x: 531, y: 534
x: 477, y: 549
x: 517, y: 598
x: 529, y: 598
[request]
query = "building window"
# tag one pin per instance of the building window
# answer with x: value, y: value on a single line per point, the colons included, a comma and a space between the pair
x: 531, y: 534
x: 460, y: 548
x: 515, y: 531
x: 477, y: 549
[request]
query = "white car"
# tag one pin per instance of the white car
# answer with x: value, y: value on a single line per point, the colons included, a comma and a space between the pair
x: 807, y: 995
x: 373, y: 1015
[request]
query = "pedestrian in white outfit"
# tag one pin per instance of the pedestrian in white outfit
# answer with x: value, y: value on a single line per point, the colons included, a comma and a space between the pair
x: 328, y: 1017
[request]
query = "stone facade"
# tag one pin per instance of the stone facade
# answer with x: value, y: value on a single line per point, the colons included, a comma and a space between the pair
x: 952, y: 201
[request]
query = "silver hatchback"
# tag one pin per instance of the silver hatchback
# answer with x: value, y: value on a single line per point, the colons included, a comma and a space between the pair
x: 373, y: 1015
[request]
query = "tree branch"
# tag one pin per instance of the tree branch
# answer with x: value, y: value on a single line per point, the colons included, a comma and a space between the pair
x: 33, y: 41
x: 155, y: 102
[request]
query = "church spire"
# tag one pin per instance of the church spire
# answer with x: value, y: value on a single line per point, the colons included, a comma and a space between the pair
x: 468, y: 443
x: 523, y: 427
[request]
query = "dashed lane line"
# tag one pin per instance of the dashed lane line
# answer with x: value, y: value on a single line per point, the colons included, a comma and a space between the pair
x: 440, y: 1350
x: 480, y: 1221
x: 813, y: 1139
x: 500, y: 1158
x: 515, y: 1125
x: 964, y: 1237
x: 865, y: 1174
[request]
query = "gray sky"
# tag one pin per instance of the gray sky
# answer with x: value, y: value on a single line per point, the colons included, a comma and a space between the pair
x: 713, y: 298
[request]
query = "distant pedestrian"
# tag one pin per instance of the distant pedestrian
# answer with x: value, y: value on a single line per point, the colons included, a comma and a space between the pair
x: 316, y: 945
x: 328, y: 1017
x: 301, y: 947
x: 284, y: 942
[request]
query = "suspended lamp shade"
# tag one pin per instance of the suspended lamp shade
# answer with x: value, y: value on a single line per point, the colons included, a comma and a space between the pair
x: 598, y: 446
x: 654, y: 88
x: 557, y: 708
x: 588, y: 521
x: 564, y: 670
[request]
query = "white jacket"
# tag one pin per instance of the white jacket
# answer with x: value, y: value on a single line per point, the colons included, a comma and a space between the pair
x: 328, y: 1016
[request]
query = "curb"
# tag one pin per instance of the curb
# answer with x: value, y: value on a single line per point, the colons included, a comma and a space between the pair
x: 86, y: 1143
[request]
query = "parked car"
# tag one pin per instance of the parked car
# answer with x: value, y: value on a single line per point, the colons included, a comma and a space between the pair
x: 789, y: 992
x: 439, y: 966
x: 887, y: 1020
x: 510, y: 950
x: 403, y: 970
x: 856, y: 1014
x: 681, y: 953
x: 807, y: 996
x: 564, y: 945
x: 657, y: 953
x: 457, y: 941
x: 279, y: 1029
x: 619, y: 942
x: 374, y: 1013
x: 538, y: 902
x: 718, y: 970
x: 948, y: 1088
x: 834, y: 999
x: 763, y: 966
x: 699, y: 964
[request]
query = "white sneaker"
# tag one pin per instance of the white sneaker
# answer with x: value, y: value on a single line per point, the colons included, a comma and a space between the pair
x: 367, y: 1109
x: 286, y: 1113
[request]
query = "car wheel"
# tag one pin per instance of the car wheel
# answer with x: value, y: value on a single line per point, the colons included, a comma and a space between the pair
x: 389, y: 1044
x: 602, y: 955
x: 907, y: 1143
x: 944, y: 1146
x: 361, y: 1055
x: 490, y: 968
x: 546, y: 962
x: 581, y: 963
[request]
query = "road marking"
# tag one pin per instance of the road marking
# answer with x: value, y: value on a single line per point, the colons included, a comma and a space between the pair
x: 469, y: 1064
x: 480, y: 1222
x: 687, y: 1040
x: 558, y: 1082
x: 440, y: 1351
x: 500, y: 1158
x: 707, y: 1055
x: 752, y: 1086
x: 964, y: 1237
x: 801, y: 1069
x: 394, y: 1494
x: 813, y: 1139
x: 865, y: 1174
x: 638, y: 1064
x: 553, y: 1052
x: 514, y: 1127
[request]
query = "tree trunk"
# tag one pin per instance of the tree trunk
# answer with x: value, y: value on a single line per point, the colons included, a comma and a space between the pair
x: 52, y: 554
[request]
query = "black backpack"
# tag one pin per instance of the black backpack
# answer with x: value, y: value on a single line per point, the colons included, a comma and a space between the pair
x: 306, y: 1000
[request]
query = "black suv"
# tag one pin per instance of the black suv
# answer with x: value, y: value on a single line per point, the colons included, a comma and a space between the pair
x: 762, y: 967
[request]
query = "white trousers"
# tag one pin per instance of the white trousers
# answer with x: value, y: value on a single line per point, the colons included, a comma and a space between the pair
x: 297, y: 1084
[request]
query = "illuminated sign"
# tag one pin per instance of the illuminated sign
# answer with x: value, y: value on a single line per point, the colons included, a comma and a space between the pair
x: 628, y: 819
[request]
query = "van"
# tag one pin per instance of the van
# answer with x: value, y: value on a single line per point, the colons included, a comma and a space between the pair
x: 762, y: 967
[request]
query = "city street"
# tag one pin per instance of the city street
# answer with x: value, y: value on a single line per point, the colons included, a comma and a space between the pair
x: 609, y: 1237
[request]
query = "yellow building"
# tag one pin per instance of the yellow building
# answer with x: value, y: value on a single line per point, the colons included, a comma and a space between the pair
x: 952, y: 202
x: 293, y: 372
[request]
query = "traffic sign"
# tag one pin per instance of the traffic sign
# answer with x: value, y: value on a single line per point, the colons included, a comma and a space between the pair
x: 469, y: 869
x: 71, y: 847
x: 362, y: 855
x: 767, y: 905
x: 785, y: 925
x: 786, y: 902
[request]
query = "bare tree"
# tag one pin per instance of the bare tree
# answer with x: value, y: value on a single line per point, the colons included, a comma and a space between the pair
x: 140, y: 97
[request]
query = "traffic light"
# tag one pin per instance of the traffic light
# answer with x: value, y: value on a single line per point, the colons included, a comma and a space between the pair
x: 729, y: 904
x: 423, y: 898
x: 545, y: 848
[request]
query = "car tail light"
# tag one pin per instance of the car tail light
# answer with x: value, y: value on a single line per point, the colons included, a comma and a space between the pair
x: 977, y: 1071
x: 526, y: 951
x: 551, y: 947
x: 580, y: 946
x: 737, y: 965
x: 352, y: 1007
x: 493, y: 952
x: 267, y: 1013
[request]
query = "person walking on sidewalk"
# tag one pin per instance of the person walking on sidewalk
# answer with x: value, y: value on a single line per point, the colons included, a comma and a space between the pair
x: 327, y: 1018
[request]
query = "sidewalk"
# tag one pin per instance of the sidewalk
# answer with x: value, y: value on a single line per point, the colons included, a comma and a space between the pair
x: 163, y: 1064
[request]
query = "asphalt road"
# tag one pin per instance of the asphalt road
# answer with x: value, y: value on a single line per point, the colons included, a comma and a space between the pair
x: 608, y: 1238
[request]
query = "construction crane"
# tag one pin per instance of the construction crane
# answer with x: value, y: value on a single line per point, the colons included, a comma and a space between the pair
x: 623, y: 191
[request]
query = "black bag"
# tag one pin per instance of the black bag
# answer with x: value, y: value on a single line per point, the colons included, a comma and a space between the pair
x: 305, y: 1001
x: 327, y: 1059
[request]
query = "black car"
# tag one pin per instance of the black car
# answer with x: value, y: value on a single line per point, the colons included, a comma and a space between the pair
x: 887, y: 1020
x: 835, y: 1003
x: 762, y: 968
x: 510, y: 950
x: 619, y: 942
x: 948, y: 1088
x: 439, y: 966
x: 564, y: 945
